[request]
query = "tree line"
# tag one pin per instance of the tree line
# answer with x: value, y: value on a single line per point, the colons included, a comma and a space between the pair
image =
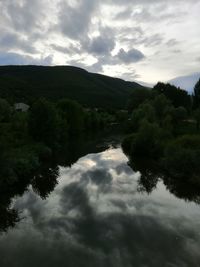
x: 29, y: 139
x: 164, y: 127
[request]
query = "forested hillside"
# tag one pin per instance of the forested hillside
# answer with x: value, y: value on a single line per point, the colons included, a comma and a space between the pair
x: 26, y: 83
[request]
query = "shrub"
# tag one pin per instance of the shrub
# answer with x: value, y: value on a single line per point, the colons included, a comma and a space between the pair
x: 182, y: 157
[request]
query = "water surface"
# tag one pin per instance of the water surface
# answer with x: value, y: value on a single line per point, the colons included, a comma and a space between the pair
x: 99, y: 214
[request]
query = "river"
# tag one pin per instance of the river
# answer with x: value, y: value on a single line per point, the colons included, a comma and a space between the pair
x: 97, y: 213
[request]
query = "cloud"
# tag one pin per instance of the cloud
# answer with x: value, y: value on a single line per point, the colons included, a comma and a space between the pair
x: 130, y: 56
x: 19, y: 59
x: 84, y: 226
x: 101, y: 45
x: 172, y: 42
x: 24, y: 15
x: 75, y: 21
x: 14, y: 41
x: 90, y: 34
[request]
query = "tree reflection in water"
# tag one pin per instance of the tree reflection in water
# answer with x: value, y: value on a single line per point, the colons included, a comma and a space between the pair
x: 44, y: 181
x: 102, y: 214
x: 151, y: 173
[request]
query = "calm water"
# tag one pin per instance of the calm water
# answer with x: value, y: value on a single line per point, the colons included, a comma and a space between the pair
x: 99, y: 214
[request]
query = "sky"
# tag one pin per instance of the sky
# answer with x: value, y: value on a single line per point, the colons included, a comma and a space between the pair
x: 140, y: 40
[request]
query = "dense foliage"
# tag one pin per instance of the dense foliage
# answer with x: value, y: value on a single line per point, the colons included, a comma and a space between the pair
x: 197, y: 95
x: 164, y: 128
x: 30, y: 139
x: 177, y: 96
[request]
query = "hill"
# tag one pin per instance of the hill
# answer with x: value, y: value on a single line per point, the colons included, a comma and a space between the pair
x: 26, y: 83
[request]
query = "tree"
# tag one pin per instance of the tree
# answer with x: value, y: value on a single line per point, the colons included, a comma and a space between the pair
x: 197, y: 117
x: 145, y: 111
x: 73, y: 113
x: 182, y: 157
x: 138, y: 97
x: 161, y: 105
x: 177, y: 96
x: 43, y: 122
x: 197, y: 94
x: 179, y: 114
x: 145, y: 143
x: 5, y: 111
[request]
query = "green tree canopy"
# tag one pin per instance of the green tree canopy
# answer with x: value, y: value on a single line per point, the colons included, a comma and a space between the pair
x: 43, y: 122
x: 73, y: 113
x: 161, y: 104
x: 5, y: 111
x: 145, y: 111
x: 138, y: 97
x: 197, y: 94
x: 197, y: 117
x: 177, y: 96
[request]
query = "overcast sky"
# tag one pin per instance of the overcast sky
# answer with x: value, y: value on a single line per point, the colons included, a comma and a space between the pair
x: 143, y: 40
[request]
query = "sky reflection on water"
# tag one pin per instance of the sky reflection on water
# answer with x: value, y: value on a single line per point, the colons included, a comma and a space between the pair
x: 97, y: 216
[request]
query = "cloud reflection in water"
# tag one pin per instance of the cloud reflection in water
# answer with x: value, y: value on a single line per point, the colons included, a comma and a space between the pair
x: 96, y: 216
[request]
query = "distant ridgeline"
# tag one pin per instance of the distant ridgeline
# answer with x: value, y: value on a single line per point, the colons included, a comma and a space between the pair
x: 27, y: 83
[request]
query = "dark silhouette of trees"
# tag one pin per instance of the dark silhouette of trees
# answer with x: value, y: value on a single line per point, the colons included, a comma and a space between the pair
x: 138, y: 97
x: 182, y: 157
x: 197, y: 118
x: 73, y: 113
x: 196, y: 96
x: 43, y: 122
x: 162, y: 129
x: 5, y: 111
x: 177, y: 96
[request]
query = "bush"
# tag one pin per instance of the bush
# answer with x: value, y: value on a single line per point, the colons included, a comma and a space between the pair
x: 182, y: 157
x: 146, y: 142
x: 127, y: 143
x: 145, y: 111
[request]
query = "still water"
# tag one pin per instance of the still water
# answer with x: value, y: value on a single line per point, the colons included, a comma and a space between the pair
x: 98, y: 214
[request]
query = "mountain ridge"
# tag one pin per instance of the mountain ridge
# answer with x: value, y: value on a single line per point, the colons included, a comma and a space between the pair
x: 27, y: 82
